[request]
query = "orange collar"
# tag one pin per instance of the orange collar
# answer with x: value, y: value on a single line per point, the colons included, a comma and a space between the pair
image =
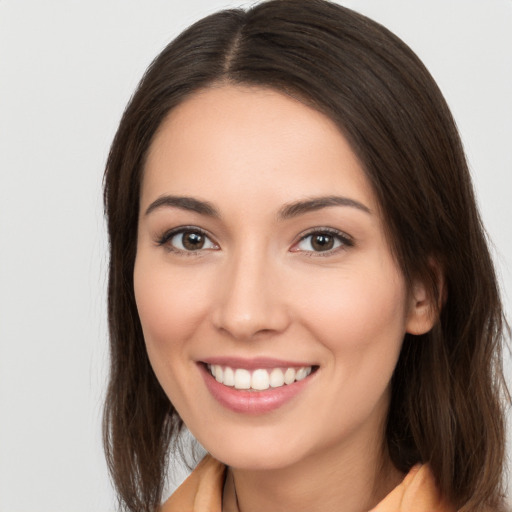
x: 202, y: 492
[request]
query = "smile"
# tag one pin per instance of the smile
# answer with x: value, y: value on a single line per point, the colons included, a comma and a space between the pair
x: 259, y: 379
x: 256, y: 386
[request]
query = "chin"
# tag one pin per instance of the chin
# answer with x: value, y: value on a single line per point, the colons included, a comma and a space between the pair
x: 254, y: 460
x: 257, y: 452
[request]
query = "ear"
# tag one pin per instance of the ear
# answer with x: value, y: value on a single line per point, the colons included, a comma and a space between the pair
x: 424, y: 309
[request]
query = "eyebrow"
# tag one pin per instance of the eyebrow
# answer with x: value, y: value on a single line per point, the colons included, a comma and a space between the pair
x: 184, y: 203
x: 317, y: 203
x: 288, y: 211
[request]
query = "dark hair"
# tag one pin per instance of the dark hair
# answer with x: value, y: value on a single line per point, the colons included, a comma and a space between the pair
x: 447, y: 390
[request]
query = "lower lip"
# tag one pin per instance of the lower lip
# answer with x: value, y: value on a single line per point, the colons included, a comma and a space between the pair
x: 252, y: 402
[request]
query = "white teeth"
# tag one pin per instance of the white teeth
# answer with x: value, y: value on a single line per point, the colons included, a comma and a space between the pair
x: 276, y: 378
x: 289, y: 376
x: 219, y: 374
x: 229, y: 377
x: 302, y: 373
x: 242, y: 379
x: 258, y: 380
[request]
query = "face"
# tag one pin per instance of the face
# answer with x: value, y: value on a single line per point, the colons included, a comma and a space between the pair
x: 262, y: 260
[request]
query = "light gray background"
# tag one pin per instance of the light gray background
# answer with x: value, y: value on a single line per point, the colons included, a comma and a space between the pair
x: 67, y: 69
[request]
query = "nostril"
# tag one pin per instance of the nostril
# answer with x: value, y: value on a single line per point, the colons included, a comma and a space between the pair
x: 250, y: 326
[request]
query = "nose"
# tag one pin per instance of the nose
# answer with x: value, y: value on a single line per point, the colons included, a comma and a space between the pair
x: 252, y: 299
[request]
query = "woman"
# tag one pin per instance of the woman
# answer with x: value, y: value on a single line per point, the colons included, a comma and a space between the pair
x: 299, y: 274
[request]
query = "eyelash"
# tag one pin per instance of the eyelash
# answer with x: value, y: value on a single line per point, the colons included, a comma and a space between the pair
x: 345, y: 240
x: 164, y: 239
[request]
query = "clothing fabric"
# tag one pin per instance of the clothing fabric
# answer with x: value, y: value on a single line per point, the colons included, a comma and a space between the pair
x: 202, y: 492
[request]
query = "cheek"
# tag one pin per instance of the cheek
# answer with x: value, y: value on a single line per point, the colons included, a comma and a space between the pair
x: 359, y: 316
x: 171, y: 304
x: 360, y: 320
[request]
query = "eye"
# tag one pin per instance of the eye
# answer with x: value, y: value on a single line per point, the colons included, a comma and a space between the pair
x: 322, y: 241
x: 187, y: 240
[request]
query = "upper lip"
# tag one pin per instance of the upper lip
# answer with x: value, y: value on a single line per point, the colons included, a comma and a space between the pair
x: 255, y: 363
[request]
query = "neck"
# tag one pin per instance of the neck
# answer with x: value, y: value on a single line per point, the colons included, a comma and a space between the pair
x: 358, y: 477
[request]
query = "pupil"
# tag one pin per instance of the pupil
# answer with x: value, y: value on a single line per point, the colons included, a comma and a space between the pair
x: 322, y: 242
x: 193, y: 241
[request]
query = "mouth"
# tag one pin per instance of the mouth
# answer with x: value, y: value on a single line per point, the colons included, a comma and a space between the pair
x: 258, y: 379
x: 257, y: 386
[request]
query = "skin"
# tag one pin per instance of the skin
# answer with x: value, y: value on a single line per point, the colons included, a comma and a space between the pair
x: 258, y: 289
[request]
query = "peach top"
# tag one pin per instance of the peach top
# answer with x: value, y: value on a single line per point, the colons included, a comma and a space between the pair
x: 202, y: 492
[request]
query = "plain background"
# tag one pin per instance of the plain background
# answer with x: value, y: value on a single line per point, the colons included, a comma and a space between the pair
x: 67, y: 69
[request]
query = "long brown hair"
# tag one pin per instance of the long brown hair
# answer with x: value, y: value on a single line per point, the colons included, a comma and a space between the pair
x: 447, y: 389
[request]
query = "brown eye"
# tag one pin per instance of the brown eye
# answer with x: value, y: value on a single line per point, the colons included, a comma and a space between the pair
x: 192, y: 240
x: 322, y: 242
x: 189, y: 240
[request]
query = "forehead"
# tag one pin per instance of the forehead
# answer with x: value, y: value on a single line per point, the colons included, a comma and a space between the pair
x: 251, y: 140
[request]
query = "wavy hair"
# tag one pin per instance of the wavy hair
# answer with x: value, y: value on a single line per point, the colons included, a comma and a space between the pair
x: 448, y: 388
